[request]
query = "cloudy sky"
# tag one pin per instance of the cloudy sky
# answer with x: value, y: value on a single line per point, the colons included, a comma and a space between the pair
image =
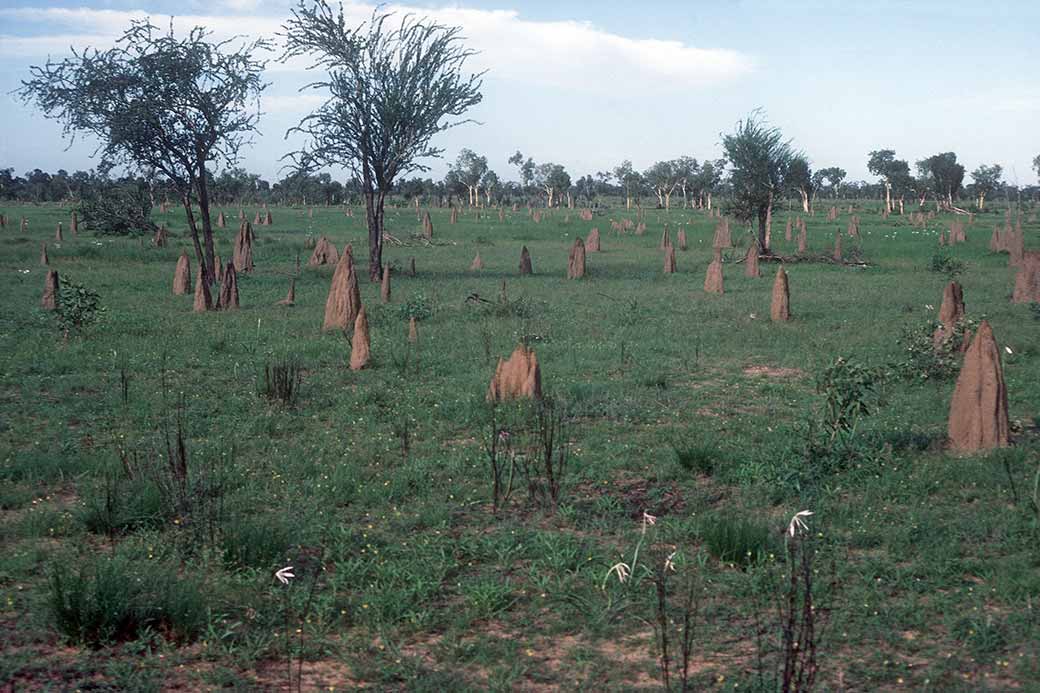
x: 589, y: 83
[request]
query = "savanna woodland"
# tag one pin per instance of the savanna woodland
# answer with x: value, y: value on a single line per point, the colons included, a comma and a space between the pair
x: 732, y: 423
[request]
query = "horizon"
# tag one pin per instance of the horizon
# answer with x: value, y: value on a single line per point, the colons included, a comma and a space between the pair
x: 714, y: 66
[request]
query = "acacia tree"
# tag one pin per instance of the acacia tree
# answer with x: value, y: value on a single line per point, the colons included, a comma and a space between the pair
x: 986, y: 179
x: 390, y: 89
x: 760, y: 158
x: 164, y: 105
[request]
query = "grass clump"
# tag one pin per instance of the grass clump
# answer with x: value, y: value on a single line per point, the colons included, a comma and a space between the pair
x: 738, y: 541
x: 111, y: 599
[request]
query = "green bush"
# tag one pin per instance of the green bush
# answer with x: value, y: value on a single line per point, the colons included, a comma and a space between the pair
x: 110, y: 599
x: 118, y: 209
x: 697, y: 458
x: 946, y: 264
x: 78, y: 309
x: 923, y: 359
x: 417, y: 306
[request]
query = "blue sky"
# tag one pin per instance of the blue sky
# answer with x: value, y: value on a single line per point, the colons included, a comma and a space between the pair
x: 587, y: 84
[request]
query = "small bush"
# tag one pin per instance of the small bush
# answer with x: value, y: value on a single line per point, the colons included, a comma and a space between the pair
x: 417, y: 306
x: 79, y: 308
x: 116, y: 209
x: 738, y: 541
x: 109, y: 599
x: 946, y: 264
x: 924, y: 360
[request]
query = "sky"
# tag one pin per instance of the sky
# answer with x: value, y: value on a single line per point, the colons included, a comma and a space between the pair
x: 588, y: 84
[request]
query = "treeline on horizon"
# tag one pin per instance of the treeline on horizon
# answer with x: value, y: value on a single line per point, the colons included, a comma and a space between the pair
x: 470, y: 182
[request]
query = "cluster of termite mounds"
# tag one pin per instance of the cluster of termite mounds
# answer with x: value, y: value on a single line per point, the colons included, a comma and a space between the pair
x: 978, y: 417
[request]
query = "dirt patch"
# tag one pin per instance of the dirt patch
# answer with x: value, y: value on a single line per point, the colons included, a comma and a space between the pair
x: 771, y: 372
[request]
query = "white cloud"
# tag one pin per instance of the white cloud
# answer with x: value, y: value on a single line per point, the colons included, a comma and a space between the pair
x: 561, y: 54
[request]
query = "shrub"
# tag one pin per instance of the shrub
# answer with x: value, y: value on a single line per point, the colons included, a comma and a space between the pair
x: 739, y: 541
x: 923, y: 359
x: 417, y: 306
x: 851, y: 391
x: 109, y: 599
x: 78, y: 309
x: 116, y: 209
x: 946, y: 264
x: 255, y: 542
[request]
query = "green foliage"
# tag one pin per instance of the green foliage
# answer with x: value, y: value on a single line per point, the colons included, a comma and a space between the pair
x: 944, y: 263
x: 851, y: 391
x: 417, y: 306
x: 106, y: 599
x: 116, y: 209
x: 924, y: 359
x: 737, y: 540
x: 79, y: 308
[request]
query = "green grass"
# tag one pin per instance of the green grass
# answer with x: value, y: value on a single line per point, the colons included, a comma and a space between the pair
x: 374, y: 485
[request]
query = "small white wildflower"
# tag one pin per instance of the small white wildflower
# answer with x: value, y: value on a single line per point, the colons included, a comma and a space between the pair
x: 649, y: 519
x: 669, y: 563
x: 285, y: 574
x: 622, y: 569
x: 797, y: 523
x: 1008, y: 350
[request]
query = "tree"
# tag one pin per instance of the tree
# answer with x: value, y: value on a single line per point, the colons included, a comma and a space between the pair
x: 943, y: 174
x: 1036, y: 165
x: 760, y: 158
x: 489, y: 182
x: 834, y: 176
x: 686, y: 168
x: 629, y: 180
x: 986, y: 179
x: 893, y: 173
x: 390, y: 88
x: 554, y: 181
x: 663, y: 177
x: 469, y: 170
x: 165, y: 105
x: 525, y: 167
x: 800, y: 179
x: 707, y: 180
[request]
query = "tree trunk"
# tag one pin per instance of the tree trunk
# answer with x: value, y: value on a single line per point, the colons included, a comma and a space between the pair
x: 668, y: 200
x: 628, y: 202
x: 199, y: 256
x: 709, y: 202
x: 208, y: 271
x: 805, y: 200
x: 374, y: 218
x: 888, y: 197
x: 769, y: 224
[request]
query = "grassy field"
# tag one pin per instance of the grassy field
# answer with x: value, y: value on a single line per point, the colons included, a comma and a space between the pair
x: 120, y: 574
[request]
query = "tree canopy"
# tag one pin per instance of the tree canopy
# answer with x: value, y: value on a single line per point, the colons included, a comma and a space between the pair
x: 390, y: 87
x: 162, y: 104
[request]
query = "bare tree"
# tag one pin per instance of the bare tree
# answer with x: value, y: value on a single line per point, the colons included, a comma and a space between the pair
x: 391, y: 88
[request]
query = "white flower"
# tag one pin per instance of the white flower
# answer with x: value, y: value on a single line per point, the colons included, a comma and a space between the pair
x: 622, y: 569
x: 649, y: 519
x: 1008, y: 350
x: 669, y: 563
x: 285, y: 574
x: 797, y: 523
x: 929, y: 307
